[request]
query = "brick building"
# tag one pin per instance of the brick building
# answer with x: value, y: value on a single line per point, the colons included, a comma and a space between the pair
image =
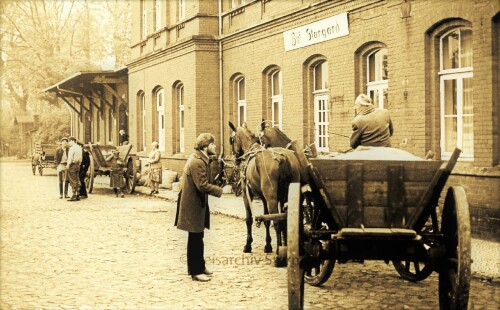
x: 434, y: 65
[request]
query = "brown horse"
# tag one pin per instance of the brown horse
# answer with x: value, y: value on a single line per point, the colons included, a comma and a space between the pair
x: 267, y: 175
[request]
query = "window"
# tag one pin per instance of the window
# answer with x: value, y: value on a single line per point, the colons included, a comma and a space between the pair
x: 157, y: 15
x: 376, y: 77
x: 456, y: 98
x: 182, y: 10
x: 241, y: 102
x: 144, y: 20
x: 180, y: 102
x: 320, y: 95
x: 276, y: 100
x: 236, y: 3
x: 141, y: 121
x: 160, y: 109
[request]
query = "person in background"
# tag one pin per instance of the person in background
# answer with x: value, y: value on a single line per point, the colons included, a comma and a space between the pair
x: 62, y: 171
x: 155, y: 168
x: 193, y: 214
x: 123, y: 137
x: 117, y: 174
x: 371, y: 126
x: 74, y: 161
x: 84, y: 167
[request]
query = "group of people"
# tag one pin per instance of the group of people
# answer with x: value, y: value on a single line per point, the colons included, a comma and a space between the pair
x: 72, y: 164
x: 370, y: 127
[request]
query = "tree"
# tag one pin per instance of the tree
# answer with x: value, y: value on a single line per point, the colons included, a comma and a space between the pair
x: 44, y: 41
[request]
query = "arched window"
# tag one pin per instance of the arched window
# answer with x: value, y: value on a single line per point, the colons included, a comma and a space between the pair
x: 376, y: 77
x: 276, y: 99
x: 456, y: 100
x: 241, y: 102
x: 160, y: 110
x: 179, y: 90
x: 320, y: 95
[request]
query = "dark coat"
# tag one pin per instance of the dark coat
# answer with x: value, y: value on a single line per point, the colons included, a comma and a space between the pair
x: 371, y: 127
x: 59, y: 154
x: 193, y: 214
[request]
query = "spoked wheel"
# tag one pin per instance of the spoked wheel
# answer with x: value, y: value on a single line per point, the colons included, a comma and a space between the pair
x: 322, y: 269
x: 131, y: 176
x: 294, y: 248
x: 89, y: 177
x: 454, y: 270
x: 413, y: 271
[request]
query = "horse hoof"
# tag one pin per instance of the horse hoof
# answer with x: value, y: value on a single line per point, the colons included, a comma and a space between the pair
x: 268, y: 249
x: 247, y: 249
x: 279, y: 262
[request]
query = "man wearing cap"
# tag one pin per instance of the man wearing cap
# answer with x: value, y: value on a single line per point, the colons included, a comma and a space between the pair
x: 84, y: 167
x: 74, y: 160
x: 371, y: 126
x: 193, y: 214
x: 62, y: 171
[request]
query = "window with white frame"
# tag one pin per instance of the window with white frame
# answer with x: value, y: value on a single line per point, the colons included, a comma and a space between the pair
x: 320, y: 94
x: 143, y: 115
x: 157, y: 15
x: 241, y: 102
x: 276, y: 100
x: 182, y: 10
x: 180, y: 102
x: 456, y: 93
x: 144, y: 20
x: 160, y: 109
x: 376, y: 77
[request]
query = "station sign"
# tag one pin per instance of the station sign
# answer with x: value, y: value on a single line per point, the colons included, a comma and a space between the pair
x: 317, y: 32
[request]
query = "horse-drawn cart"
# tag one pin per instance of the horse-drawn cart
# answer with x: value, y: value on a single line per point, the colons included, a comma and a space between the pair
x: 44, y: 156
x: 100, y: 166
x: 379, y: 210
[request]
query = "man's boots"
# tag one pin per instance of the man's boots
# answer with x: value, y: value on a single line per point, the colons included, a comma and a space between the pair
x: 60, y: 190
x: 75, y: 196
x: 66, y: 186
x: 116, y: 191
x: 121, y: 192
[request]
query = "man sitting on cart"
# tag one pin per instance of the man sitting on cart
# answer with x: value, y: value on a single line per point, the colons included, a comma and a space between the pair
x: 371, y: 126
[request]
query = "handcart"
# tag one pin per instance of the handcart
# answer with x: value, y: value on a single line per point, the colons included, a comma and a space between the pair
x: 44, y: 156
x: 99, y: 165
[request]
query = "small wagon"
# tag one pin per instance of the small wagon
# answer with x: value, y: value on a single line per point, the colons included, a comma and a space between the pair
x: 44, y: 156
x: 99, y: 165
x: 380, y: 210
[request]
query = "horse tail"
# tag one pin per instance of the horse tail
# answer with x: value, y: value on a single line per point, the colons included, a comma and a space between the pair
x: 285, y: 177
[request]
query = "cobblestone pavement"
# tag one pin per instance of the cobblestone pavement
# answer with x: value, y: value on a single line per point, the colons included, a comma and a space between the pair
x: 124, y: 253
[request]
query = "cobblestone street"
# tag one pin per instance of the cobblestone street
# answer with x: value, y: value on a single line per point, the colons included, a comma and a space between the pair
x: 124, y: 253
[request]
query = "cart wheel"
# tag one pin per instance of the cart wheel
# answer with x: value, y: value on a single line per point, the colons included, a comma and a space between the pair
x: 294, y: 249
x: 454, y: 272
x: 131, y: 176
x: 413, y: 271
x: 320, y: 273
x: 89, y: 177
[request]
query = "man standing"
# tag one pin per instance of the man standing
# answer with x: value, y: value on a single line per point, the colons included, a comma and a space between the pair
x: 62, y: 170
x: 84, y: 167
x: 371, y: 126
x: 74, y: 159
x: 193, y: 214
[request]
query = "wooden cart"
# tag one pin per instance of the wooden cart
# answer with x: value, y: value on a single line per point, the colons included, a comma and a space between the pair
x: 379, y: 210
x: 99, y: 165
x: 44, y: 156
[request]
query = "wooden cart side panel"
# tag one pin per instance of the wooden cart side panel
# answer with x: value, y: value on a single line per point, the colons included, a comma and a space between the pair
x: 415, y: 171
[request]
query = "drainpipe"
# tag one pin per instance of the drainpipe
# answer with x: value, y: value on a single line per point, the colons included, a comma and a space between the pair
x: 221, y: 101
